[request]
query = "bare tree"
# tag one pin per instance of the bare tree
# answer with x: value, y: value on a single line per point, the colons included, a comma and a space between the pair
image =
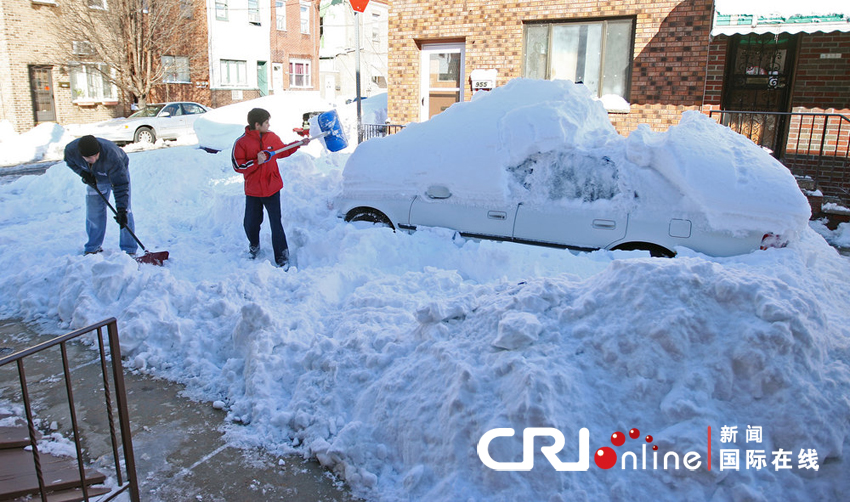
x: 129, y: 37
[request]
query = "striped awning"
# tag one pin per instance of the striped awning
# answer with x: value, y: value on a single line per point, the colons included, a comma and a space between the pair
x: 739, y: 17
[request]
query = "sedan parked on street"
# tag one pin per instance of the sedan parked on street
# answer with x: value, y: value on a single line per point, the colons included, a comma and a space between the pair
x: 539, y: 162
x: 154, y: 121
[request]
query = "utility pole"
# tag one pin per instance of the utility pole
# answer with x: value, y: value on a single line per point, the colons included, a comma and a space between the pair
x: 358, y: 6
x: 357, y: 76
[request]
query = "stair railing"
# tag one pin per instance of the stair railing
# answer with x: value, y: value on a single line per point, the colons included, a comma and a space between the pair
x: 120, y: 394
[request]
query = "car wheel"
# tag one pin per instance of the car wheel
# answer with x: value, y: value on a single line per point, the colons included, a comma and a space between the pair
x: 370, y: 216
x: 655, y: 250
x: 145, y: 135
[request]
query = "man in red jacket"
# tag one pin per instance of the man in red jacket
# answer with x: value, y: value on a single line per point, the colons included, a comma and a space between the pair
x: 253, y: 157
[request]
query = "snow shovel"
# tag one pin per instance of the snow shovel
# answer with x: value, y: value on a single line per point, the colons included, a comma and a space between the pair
x: 332, y: 136
x: 155, y: 258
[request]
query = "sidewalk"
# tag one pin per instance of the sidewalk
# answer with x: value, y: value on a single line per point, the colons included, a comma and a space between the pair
x: 180, y: 454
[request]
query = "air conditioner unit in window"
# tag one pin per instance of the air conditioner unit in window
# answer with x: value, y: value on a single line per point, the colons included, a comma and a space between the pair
x: 254, y: 17
x: 81, y: 48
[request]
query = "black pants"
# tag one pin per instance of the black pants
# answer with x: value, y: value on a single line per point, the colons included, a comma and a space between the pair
x: 254, y: 218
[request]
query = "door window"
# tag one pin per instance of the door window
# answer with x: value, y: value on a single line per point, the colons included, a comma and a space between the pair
x: 442, y: 72
x: 41, y: 83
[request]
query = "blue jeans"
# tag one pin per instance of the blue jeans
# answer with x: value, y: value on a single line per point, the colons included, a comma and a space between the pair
x: 254, y: 218
x: 96, y: 221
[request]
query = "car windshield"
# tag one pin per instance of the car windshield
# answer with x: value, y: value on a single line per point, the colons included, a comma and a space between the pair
x: 148, y: 111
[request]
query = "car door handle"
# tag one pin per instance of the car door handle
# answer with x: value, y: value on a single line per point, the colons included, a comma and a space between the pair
x: 605, y: 224
x: 497, y: 215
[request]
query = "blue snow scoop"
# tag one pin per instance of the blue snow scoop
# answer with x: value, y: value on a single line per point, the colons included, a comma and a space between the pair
x: 332, y: 136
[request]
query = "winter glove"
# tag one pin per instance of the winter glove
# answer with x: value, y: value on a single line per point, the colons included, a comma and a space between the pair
x: 88, y: 178
x: 121, y: 217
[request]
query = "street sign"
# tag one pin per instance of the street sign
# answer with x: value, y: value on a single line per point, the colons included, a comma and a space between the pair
x: 359, y: 5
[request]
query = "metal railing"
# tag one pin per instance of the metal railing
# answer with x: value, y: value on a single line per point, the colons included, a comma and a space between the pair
x: 808, y: 143
x: 131, y: 485
x: 380, y: 130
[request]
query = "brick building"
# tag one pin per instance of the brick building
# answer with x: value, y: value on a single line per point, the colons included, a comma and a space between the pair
x: 36, y: 85
x: 649, y: 61
x: 231, y: 50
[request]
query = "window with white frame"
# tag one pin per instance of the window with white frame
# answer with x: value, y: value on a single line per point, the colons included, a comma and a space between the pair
x: 305, y: 18
x: 280, y: 15
x: 89, y: 82
x: 597, y: 54
x: 176, y: 69
x: 221, y: 10
x: 234, y: 73
x: 254, y: 11
x: 376, y: 27
x: 299, y: 73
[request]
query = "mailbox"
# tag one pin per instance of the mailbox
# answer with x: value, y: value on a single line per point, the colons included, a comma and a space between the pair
x: 483, y: 80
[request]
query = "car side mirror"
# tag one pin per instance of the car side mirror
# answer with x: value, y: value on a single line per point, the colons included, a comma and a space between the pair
x: 165, y: 114
x: 438, y: 192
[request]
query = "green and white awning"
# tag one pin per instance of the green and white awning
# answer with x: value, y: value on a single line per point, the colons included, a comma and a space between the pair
x: 738, y: 17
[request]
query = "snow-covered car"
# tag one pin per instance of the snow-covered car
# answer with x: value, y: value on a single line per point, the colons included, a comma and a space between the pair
x: 154, y: 121
x: 539, y: 162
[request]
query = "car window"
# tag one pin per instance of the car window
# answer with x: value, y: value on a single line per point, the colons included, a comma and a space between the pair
x: 571, y: 175
x: 173, y: 109
x: 148, y: 111
x: 192, y: 109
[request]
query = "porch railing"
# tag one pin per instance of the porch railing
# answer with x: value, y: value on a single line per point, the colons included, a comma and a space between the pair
x: 380, y: 130
x: 810, y: 144
x: 126, y: 479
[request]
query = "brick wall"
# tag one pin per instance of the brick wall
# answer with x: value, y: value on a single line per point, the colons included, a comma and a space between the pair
x: 196, y: 48
x: 670, y: 51
x: 823, y: 83
x: 292, y: 44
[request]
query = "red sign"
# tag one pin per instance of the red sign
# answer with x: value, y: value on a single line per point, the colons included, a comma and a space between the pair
x: 359, y: 5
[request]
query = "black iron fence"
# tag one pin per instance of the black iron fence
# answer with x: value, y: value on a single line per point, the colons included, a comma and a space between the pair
x: 379, y: 130
x: 816, y: 145
x: 126, y: 477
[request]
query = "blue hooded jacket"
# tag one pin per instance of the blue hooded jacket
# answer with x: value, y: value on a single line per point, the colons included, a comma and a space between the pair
x: 111, y: 167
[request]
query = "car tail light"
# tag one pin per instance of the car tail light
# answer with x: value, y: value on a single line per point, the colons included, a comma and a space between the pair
x: 773, y: 241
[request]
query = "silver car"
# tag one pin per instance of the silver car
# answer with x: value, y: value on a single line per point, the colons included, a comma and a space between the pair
x: 154, y: 121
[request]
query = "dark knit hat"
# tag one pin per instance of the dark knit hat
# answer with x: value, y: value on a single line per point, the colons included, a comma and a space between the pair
x: 88, y: 146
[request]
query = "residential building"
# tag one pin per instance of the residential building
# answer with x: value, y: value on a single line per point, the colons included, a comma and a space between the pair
x: 231, y: 50
x: 258, y: 47
x: 648, y: 61
x: 38, y: 86
x: 338, y: 68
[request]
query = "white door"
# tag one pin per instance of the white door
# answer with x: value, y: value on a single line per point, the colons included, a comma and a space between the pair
x: 330, y: 87
x: 442, y: 77
x: 277, y: 77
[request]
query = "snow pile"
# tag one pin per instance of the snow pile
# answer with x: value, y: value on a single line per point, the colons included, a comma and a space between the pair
x: 46, y: 140
x: 217, y: 129
x: 387, y: 356
x: 541, y: 142
x: 500, y: 129
x: 737, y: 185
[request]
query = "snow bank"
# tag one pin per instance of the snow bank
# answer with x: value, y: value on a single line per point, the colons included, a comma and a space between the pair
x: 218, y: 129
x: 387, y: 356
x: 45, y: 140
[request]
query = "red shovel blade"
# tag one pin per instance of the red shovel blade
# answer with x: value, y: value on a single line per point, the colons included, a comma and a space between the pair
x: 153, y: 258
